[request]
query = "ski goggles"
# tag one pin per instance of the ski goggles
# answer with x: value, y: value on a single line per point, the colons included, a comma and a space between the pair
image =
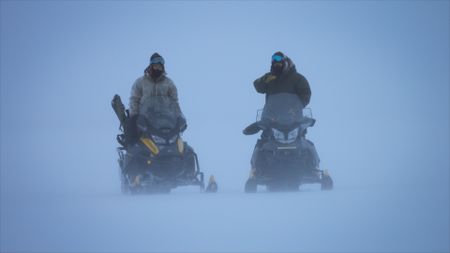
x: 277, y: 58
x: 157, y: 60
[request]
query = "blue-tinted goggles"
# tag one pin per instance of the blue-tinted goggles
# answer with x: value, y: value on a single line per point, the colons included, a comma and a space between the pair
x: 157, y: 60
x: 277, y: 58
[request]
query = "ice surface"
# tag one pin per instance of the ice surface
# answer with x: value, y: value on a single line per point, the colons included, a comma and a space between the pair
x: 346, y: 219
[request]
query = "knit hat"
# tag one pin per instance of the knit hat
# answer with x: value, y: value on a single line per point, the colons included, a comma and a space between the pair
x: 156, y: 59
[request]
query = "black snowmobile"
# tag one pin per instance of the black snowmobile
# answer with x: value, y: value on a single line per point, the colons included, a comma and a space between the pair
x: 283, y: 158
x: 153, y: 157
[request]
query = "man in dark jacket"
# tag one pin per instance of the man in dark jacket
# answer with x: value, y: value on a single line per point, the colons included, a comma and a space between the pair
x: 283, y: 77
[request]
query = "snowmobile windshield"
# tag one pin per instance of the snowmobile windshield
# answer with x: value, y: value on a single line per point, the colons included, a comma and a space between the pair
x: 161, y: 119
x: 161, y: 112
x: 283, y: 109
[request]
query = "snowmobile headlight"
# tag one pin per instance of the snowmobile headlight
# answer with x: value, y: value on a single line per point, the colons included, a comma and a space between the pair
x: 292, y: 135
x: 158, y: 140
x: 173, y: 139
x: 281, y: 137
x: 278, y: 135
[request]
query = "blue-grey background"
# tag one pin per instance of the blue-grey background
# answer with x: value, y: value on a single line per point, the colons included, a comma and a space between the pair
x: 379, y: 74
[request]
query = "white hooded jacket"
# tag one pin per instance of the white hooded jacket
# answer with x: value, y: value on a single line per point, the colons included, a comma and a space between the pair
x: 158, y: 95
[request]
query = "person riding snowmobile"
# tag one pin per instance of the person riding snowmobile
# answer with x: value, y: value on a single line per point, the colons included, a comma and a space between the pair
x: 152, y: 93
x: 282, y: 78
x: 153, y: 157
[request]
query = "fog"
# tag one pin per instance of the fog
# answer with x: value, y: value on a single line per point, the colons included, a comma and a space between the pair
x: 379, y: 75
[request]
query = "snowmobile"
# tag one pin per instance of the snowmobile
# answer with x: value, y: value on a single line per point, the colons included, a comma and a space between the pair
x: 153, y: 158
x: 283, y: 159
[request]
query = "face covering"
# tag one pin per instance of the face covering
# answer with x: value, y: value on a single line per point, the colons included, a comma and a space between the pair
x: 276, y: 69
x: 155, y: 73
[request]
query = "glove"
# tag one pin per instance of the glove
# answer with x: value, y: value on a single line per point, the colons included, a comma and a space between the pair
x: 269, y: 78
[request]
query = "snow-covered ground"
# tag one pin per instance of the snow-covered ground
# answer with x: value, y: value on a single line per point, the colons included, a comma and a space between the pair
x: 379, y: 74
x: 348, y: 219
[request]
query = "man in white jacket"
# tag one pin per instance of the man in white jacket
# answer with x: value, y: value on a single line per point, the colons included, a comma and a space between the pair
x: 154, y: 104
x: 154, y: 90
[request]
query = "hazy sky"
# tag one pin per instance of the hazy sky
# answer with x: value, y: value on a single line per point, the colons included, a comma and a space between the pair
x: 378, y: 71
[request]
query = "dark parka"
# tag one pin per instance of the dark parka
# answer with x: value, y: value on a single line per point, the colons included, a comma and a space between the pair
x: 290, y: 81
